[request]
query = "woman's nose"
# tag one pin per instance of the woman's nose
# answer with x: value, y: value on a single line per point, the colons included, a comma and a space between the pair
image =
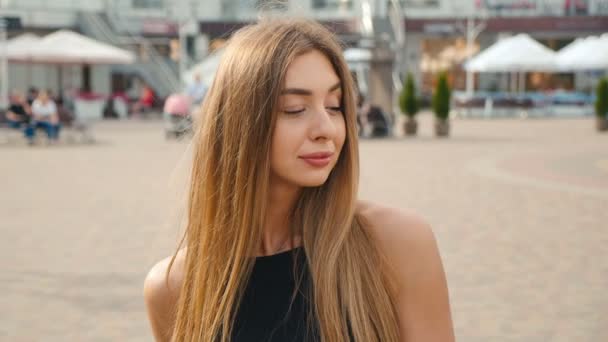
x: 322, y: 126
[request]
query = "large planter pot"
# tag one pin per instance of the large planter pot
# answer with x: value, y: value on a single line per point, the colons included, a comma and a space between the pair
x: 601, y: 123
x: 442, y: 127
x: 411, y: 126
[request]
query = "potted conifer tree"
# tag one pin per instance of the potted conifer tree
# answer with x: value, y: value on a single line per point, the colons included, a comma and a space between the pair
x: 601, y: 105
x: 409, y: 106
x: 441, y: 106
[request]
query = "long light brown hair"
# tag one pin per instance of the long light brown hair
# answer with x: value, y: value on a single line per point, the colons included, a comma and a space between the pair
x: 229, y: 191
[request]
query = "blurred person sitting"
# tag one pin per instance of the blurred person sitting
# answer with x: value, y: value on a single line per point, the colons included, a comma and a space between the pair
x: 32, y: 94
x: 19, y: 112
x: 44, y: 116
x: 67, y: 106
x: 372, y: 116
x: 362, y: 109
x: 146, y: 100
x: 377, y: 120
x: 197, y: 90
x: 120, y: 103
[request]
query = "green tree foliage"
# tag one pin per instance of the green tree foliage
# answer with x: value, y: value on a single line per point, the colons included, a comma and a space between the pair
x: 407, y: 99
x: 601, y: 102
x: 441, y: 98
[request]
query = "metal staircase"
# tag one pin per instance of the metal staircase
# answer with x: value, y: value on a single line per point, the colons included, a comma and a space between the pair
x: 156, y: 70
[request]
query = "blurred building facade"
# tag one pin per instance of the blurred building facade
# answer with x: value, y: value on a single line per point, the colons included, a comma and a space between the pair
x: 419, y: 36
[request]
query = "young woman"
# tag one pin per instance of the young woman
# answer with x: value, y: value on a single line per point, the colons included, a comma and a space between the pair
x: 277, y: 246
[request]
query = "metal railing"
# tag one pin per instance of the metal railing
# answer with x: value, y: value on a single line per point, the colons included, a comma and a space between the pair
x: 159, y: 67
x: 549, y: 8
x: 154, y: 68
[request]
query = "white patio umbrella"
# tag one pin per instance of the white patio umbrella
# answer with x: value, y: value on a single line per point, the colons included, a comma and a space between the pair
x: 16, y: 48
x: 19, y: 47
x: 589, y: 53
x: 519, y: 53
x: 67, y: 47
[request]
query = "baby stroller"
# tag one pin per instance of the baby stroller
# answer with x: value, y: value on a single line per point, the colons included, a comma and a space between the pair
x: 176, y: 114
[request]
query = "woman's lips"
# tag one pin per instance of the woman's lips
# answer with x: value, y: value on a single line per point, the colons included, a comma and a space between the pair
x: 320, y: 159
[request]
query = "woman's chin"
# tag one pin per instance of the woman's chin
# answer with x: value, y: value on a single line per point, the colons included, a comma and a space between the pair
x: 312, y: 182
x: 305, y: 179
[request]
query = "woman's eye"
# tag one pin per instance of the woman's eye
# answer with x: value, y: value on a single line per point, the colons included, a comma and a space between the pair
x: 335, y: 109
x: 293, y: 111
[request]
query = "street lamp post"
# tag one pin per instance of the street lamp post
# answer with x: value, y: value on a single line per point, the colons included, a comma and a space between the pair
x: 187, y: 24
x: 3, y: 64
x: 367, y: 19
x: 472, y: 31
x: 396, y: 18
x: 183, y: 50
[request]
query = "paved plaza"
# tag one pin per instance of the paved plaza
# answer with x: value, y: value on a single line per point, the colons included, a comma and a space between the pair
x: 519, y: 208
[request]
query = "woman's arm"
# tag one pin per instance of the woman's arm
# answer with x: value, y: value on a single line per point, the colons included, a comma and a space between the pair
x: 161, y: 299
x: 11, y: 115
x: 423, y: 303
x: 411, y: 250
x: 35, y: 108
x: 27, y: 108
x: 55, y: 114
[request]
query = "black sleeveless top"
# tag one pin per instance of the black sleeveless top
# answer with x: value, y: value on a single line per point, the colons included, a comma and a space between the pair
x: 266, y: 312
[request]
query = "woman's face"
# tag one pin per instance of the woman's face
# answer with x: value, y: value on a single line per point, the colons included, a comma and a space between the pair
x: 310, y: 128
x: 43, y: 96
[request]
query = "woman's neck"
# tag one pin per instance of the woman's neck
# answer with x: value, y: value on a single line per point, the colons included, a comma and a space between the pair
x: 276, y: 236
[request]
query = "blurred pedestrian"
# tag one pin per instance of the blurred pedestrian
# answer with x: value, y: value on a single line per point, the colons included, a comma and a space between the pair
x: 44, y: 116
x: 378, y: 121
x: 362, y: 109
x: 32, y: 94
x: 197, y: 89
x: 277, y: 246
x: 19, y: 112
x: 146, y: 100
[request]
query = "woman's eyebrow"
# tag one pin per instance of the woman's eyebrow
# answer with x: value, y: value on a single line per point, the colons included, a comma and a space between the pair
x: 337, y: 86
x: 306, y: 92
x: 296, y: 91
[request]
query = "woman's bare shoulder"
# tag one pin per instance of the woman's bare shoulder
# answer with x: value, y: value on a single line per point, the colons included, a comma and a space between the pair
x: 161, y: 294
x: 403, y: 236
x: 408, y: 242
x: 394, y: 227
x: 156, y: 280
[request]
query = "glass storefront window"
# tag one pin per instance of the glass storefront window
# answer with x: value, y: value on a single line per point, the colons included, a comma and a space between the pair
x: 444, y: 54
x: 576, y: 7
x: 147, y: 3
x: 237, y: 8
x: 419, y: 3
x: 272, y: 4
x: 332, y: 4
